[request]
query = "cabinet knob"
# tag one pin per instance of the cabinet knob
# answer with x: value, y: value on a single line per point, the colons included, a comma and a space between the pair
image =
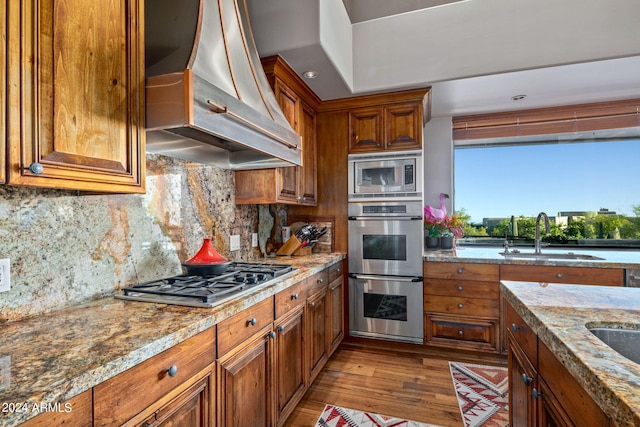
x: 320, y: 281
x: 388, y: 144
x: 378, y: 144
x: 36, y: 168
x: 460, y: 333
x: 294, y: 296
x: 280, y: 328
x: 535, y: 394
x: 252, y: 321
x: 312, y: 304
x: 527, y: 380
x: 460, y: 288
x: 460, y: 305
x: 514, y: 328
x: 460, y: 270
x: 172, y: 371
x: 272, y: 335
x: 559, y: 275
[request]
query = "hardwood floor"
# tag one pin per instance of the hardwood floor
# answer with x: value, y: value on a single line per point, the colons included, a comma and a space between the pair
x: 413, y: 387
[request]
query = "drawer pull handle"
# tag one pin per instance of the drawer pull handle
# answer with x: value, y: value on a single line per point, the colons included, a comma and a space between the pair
x: 535, y: 393
x: 460, y: 306
x: 172, y: 371
x: 514, y: 328
x: 460, y: 270
x: 294, y: 296
x: 252, y: 321
x: 527, y: 380
x: 460, y: 333
x: 320, y: 281
x: 280, y: 328
x: 460, y: 288
x: 272, y: 335
x: 559, y: 275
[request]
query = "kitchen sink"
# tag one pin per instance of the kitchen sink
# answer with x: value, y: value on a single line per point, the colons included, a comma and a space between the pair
x: 624, y: 341
x: 548, y: 255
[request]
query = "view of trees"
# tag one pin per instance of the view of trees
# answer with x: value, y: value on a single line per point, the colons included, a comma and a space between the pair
x: 590, y: 226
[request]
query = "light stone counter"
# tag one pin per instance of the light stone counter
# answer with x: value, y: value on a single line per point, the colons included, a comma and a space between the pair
x: 491, y: 254
x: 51, y: 358
x: 560, y: 315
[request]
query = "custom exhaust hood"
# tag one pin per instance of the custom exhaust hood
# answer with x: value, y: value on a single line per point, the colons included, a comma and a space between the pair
x: 208, y: 99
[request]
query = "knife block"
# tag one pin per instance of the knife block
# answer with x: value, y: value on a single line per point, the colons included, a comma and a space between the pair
x: 290, y: 246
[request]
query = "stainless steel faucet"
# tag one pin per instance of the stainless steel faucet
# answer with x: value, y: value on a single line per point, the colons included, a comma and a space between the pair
x: 546, y: 226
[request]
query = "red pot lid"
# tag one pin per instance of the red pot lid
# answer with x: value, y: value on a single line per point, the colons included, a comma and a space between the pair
x: 207, y: 255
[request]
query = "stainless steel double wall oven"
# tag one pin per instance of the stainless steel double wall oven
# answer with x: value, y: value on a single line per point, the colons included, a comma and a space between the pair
x: 385, y: 264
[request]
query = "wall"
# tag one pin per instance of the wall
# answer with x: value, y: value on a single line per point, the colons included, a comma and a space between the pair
x: 438, y: 162
x: 67, y: 248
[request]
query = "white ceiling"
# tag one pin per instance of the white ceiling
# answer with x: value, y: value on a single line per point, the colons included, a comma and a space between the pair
x: 556, y: 53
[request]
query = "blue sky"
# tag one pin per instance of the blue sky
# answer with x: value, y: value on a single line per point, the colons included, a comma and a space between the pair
x: 525, y: 180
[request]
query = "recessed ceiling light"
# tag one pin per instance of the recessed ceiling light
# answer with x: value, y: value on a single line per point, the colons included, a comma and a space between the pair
x: 310, y: 74
x: 518, y: 97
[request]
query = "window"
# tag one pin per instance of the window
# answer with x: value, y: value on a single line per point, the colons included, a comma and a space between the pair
x: 585, y: 181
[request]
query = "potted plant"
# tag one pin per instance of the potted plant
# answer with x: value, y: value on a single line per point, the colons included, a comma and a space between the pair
x: 433, y: 229
x: 451, y: 229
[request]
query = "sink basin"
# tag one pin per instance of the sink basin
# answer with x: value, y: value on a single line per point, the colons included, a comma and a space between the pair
x: 624, y: 341
x: 549, y: 255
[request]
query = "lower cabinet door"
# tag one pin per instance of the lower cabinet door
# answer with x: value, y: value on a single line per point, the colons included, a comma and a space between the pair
x: 244, y: 384
x: 336, y: 309
x: 317, y: 332
x: 550, y: 412
x: 522, y: 382
x: 290, y: 380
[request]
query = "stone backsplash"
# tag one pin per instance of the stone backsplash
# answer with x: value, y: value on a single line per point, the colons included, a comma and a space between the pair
x: 67, y: 247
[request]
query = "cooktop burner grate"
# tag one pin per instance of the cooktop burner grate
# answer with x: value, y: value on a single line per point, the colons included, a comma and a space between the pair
x: 206, y: 291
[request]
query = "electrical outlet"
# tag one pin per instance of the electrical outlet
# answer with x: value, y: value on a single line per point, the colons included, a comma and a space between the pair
x: 234, y: 242
x: 5, y: 275
x: 254, y: 240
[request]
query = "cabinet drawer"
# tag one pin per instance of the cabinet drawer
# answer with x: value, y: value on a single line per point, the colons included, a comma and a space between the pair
x: 522, y: 334
x: 552, y: 274
x: 335, y: 271
x: 462, y: 271
x: 461, y: 306
x: 125, y: 395
x: 290, y: 298
x: 466, y: 289
x: 243, y: 325
x: 459, y: 331
x: 317, y: 281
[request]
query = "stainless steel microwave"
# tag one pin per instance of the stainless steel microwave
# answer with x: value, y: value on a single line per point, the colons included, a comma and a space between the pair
x: 395, y: 175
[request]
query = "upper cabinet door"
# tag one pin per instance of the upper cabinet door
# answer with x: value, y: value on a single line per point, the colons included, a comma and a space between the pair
x: 403, y: 127
x: 76, y: 116
x: 365, y: 130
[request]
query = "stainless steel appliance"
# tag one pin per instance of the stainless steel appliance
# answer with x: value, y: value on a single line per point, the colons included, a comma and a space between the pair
x: 208, y: 291
x: 385, y: 270
x: 396, y: 175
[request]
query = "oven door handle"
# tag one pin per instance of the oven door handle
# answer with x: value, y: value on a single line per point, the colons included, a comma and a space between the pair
x: 386, y: 278
x: 385, y: 218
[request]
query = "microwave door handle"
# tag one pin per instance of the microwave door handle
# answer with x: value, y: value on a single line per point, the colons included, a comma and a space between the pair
x: 385, y: 278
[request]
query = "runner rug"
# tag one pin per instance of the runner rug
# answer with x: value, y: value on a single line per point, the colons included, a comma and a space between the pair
x: 482, y: 393
x: 335, y: 416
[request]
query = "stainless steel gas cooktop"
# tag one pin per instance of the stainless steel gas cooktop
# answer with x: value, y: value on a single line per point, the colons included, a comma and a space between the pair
x: 207, y: 291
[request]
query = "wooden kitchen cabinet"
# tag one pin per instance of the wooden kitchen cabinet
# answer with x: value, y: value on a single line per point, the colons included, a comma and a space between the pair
x: 393, y: 127
x: 542, y: 392
x: 295, y: 185
x: 461, y: 306
x: 245, y: 367
x: 75, y: 116
x: 176, y: 388
x: 556, y: 274
x: 335, y: 303
x: 317, y: 321
x: 3, y: 90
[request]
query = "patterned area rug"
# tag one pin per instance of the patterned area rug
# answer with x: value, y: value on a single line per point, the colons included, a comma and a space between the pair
x: 335, y: 416
x: 482, y: 394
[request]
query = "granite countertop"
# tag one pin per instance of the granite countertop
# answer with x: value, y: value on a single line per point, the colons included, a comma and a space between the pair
x: 491, y: 254
x: 51, y: 358
x: 560, y: 315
